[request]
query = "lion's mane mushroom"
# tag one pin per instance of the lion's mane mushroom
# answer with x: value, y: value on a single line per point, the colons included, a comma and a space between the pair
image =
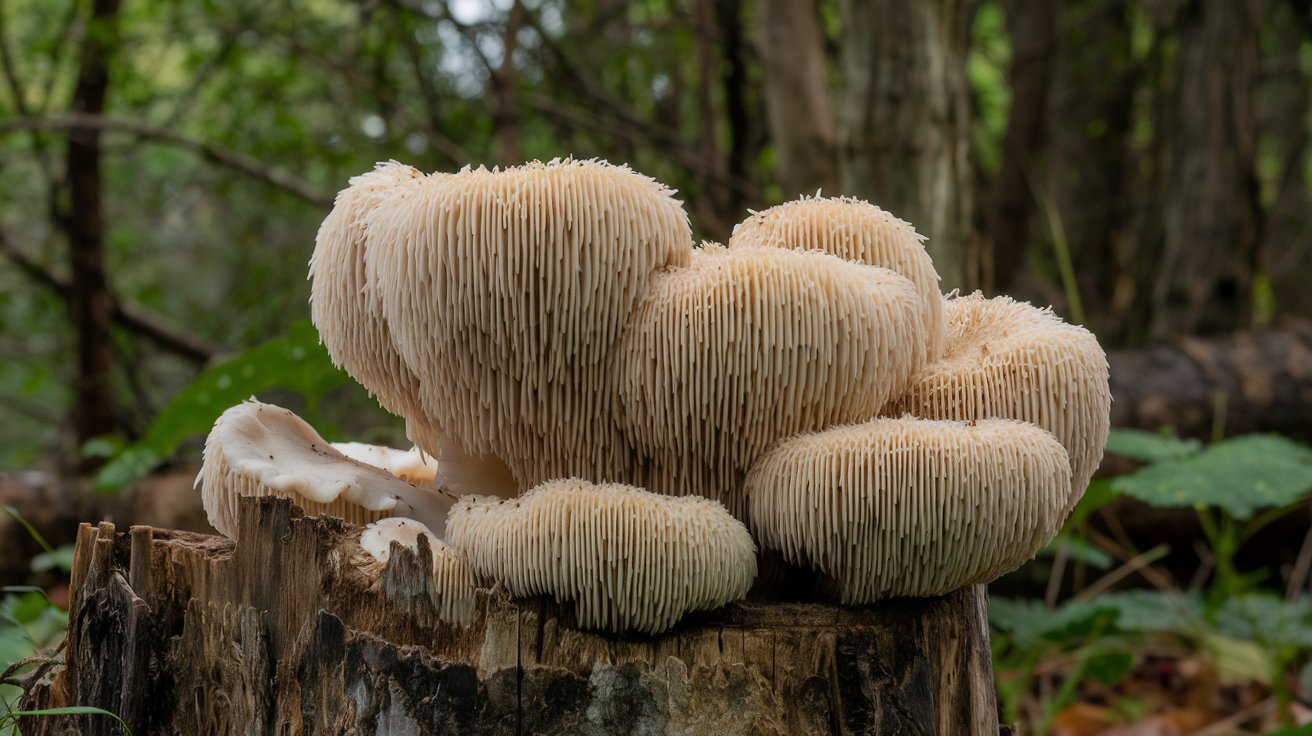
x: 855, y: 230
x: 895, y: 507
x: 505, y: 293
x: 1012, y: 360
x: 411, y: 466
x: 453, y: 580
x: 258, y: 449
x: 345, y: 307
x: 629, y: 559
x: 747, y: 345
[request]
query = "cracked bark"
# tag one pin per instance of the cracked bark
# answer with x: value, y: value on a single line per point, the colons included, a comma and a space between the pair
x: 187, y: 633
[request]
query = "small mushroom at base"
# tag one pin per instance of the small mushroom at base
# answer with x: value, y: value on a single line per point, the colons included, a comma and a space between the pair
x: 453, y: 580
x: 910, y: 507
x: 628, y: 558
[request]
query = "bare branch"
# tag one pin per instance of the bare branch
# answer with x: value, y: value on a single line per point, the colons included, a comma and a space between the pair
x: 127, y: 314
x: 221, y: 155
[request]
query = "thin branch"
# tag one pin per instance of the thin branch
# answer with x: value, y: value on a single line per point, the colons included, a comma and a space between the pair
x: 129, y: 315
x: 221, y: 155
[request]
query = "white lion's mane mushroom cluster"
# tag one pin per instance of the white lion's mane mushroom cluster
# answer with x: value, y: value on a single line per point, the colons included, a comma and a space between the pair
x: 624, y: 406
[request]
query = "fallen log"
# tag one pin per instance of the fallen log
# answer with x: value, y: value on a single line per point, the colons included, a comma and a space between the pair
x: 187, y: 633
x: 1251, y: 381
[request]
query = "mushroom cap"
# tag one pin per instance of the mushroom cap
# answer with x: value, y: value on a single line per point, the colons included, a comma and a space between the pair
x: 453, y: 580
x: 1012, y: 360
x: 258, y: 449
x: 505, y: 293
x: 747, y: 345
x: 855, y: 230
x: 411, y: 466
x: 910, y: 507
x: 343, y: 306
x: 628, y: 558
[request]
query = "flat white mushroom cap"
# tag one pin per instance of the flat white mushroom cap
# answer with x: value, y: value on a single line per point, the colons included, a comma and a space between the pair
x: 747, y: 345
x: 857, y: 231
x: 629, y: 559
x: 1012, y: 360
x: 910, y: 507
x: 506, y: 291
x: 453, y: 580
x: 258, y: 449
x: 411, y: 466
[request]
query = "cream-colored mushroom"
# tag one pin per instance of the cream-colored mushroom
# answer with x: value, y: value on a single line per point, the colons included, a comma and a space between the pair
x: 627, y: 558
x: 1012, y: 360
x: 747, y: 345
x: 347, y: 311
x: 505, y: 293
x: 411, y: 466
x: 258, y: 449
x: 906, y: 506
x: 453, y: 580
x: 857, y: 231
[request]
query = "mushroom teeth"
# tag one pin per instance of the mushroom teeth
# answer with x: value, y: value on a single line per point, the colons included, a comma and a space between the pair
x: 1012, y: 360
x: 747, y: 345
x: 910, y: 507
x: 854, y: 230
x: 453, y: 580
x: 628, y: 558
x: 258, y: 449
x: 505, y: 292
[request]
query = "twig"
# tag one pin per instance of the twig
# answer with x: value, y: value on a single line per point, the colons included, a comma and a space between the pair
x: 1302, y: 566
x: 1159, y: 579
x: 1055, y: 577
x: 221, y: 155
x: 129, y: 315
x: 1228, y: 724
x: 1136, y: 564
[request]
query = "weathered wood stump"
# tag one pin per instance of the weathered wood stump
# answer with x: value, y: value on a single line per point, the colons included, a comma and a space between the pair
x: 284, y: 633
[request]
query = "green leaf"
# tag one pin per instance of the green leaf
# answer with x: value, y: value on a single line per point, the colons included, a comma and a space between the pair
x: 1267, y: 619
x: 1239, y: 475
x: 72, y: 710
x: 1027, y: 621
x: 1078, y: 549
x: 1150, y: 447
x: 1108, y: 667
x: 1151, y: 611
x: 59, y: 558
x: 296, y: 362
x: 1098, y: 495
x: 1304, y: 730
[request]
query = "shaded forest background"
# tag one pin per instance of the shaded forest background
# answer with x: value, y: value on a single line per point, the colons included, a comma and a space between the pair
x: 1141, y: 165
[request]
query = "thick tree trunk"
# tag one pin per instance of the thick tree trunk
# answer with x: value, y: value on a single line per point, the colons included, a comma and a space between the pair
x: 796, y: 87
x: 904, y: 122
x: 1211, y: 215
x: 283, y: 633
x: 94, y: 403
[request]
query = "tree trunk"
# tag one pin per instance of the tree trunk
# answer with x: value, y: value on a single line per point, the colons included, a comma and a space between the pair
x: 1211, y: 231
x: 94, y: 403
x: 283, y: 633
x: 796, y: 87
x: 904, y: 122
x: 1032, y: 26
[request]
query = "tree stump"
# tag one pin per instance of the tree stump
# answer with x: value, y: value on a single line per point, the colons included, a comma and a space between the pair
x: 284, y: 633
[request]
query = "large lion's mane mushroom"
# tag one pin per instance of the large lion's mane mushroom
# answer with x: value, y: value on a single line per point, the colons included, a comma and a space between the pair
x: 504, y: 293
x: 628, y: 559
x: 910, y: 507
x: 746, y: 345
x: 855, y: 230
x: 258, y: 449
x: 1012, y: 360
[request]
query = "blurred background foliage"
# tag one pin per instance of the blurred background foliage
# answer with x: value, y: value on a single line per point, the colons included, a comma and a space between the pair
x: 1141, y: 165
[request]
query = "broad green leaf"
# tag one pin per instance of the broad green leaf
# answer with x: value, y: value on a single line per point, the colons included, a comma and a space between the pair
x: 1098, y: 495
x: 1238, y: 660
x: 1150, y: 611
x: 1109, y: 666
x: 1239, y: 475
x: 1267, y: 619
x: 59, y: 558
x: 1027, y: 621
x: 1150, y: 447
x: 296, y: 362
x: 1079, y: 550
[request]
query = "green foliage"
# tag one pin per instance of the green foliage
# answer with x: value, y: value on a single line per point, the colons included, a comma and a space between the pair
x: 1150, y: 447
x: 296, y: 362
x: 1239, y: 476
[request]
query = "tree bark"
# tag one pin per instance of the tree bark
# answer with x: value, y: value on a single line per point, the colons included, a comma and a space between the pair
x: 1202, y: 282
x: 283, y: 633
x: 796, y: 87
x: 904, y: 123
x: 95, y: 406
